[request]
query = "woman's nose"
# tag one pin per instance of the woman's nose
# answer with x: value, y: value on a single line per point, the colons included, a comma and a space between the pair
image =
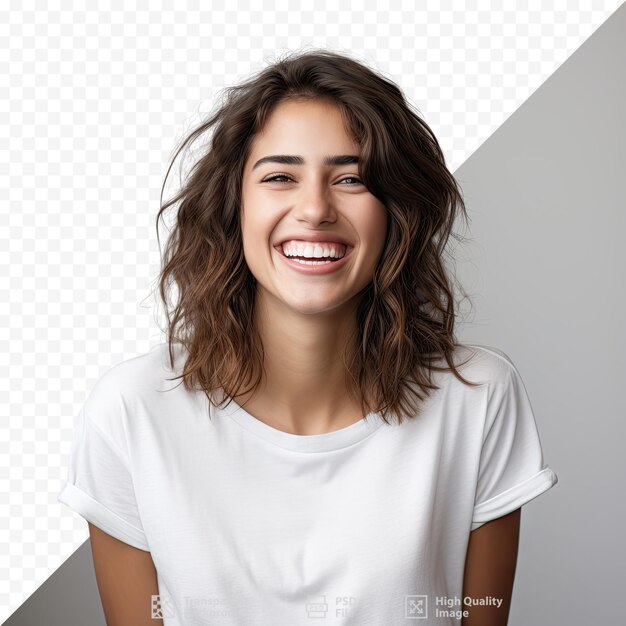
x: 314, y: 204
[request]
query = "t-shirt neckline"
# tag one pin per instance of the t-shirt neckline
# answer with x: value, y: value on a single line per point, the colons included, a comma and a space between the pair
x: 323, y: 442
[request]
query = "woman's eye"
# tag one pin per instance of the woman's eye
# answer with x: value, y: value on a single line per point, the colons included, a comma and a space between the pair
x: 275, y: 178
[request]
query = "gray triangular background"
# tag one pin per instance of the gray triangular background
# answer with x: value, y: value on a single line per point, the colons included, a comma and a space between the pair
x: 68, y: 598
x: 546, y: 269
x: 545, y: 198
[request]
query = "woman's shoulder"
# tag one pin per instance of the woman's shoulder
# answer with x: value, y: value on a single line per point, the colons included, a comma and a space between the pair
x: 482, y: 363
x: 143, y: 376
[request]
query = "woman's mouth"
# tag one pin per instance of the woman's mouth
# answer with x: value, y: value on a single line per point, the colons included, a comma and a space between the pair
x: 314, y: 257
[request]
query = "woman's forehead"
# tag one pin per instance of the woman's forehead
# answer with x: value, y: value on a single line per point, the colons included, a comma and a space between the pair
x: 304, y: 127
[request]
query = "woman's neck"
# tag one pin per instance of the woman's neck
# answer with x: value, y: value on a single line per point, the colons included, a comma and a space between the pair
x: 305, y: 387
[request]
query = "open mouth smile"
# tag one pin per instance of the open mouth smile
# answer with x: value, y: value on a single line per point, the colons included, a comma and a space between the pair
x: 314, y: 257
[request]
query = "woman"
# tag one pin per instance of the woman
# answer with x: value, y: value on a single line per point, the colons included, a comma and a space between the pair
x: 332, y: 451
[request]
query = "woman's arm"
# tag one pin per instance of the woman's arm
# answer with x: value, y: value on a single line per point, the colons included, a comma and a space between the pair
x: 126, y: 579
x: 490, y: 570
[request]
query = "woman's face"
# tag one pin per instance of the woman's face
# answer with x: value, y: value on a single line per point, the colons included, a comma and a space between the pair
x: 309, y: 209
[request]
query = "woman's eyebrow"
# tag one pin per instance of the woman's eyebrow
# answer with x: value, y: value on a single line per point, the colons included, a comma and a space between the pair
x: 288, y: 159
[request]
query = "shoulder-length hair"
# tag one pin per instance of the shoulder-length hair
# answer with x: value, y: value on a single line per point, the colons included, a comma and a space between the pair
x: 406, y: 315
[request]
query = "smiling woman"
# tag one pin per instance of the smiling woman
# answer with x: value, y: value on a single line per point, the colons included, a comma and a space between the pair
x: 333, y: 450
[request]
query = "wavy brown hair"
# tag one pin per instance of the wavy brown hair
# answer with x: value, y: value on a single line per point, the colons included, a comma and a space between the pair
x: 406, y: 315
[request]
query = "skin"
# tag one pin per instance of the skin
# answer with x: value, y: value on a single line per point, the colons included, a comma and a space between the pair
x: 304, y: 320
x: 126, y: 579
x: 490, y: 569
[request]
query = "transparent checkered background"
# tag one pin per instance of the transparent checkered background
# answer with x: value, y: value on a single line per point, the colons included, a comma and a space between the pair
x: 93, y: 105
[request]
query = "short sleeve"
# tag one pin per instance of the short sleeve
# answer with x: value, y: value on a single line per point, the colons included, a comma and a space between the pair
x: 512, y: 470
x: 99, y: 486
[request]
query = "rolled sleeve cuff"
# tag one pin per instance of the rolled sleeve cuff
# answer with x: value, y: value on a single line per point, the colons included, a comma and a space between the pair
x: 513, y: 498
x: 102, y: 517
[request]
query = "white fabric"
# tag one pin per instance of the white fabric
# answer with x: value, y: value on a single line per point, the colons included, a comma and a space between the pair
x: 247, y: 524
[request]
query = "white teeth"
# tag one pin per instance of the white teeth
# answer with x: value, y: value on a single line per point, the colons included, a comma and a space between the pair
x: 313, y: 251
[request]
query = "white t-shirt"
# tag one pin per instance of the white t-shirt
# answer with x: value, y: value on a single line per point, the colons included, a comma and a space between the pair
x: 250, y: 525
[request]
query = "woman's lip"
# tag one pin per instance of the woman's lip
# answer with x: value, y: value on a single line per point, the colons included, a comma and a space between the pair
x: 322, y: 268
x: 317, y: 241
